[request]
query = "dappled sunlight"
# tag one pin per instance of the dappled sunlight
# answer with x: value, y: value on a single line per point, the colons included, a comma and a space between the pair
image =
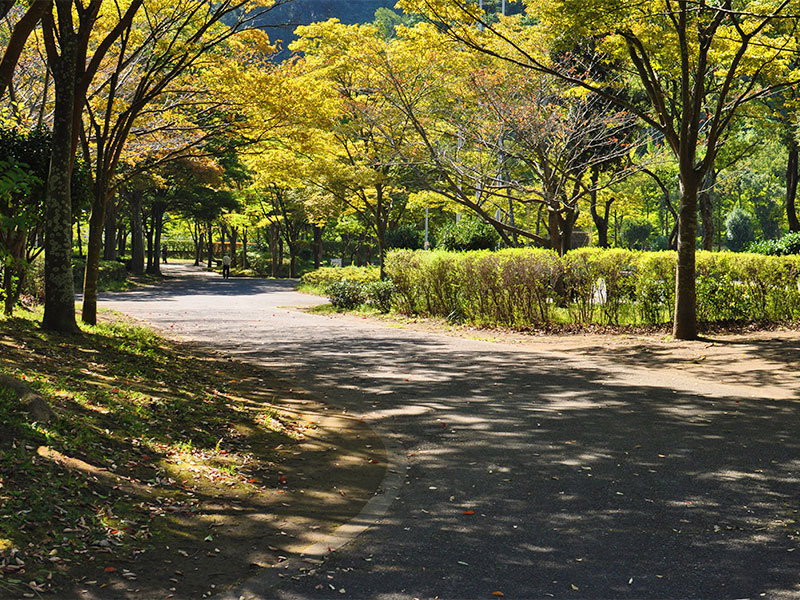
x: 539, y: 460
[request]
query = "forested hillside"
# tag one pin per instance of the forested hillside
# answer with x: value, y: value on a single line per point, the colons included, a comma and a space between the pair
x: 281, y: 21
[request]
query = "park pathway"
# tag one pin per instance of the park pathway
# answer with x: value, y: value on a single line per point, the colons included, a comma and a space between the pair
x: 532, y: 474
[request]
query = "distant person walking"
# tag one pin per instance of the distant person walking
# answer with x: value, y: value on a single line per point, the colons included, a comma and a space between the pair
x: 226, y: 266
x: 164, y: 254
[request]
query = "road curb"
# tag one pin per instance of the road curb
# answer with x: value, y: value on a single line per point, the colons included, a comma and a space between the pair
x: 313, y: 556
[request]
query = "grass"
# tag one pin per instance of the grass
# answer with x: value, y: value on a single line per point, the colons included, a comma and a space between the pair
x: 143, y: 431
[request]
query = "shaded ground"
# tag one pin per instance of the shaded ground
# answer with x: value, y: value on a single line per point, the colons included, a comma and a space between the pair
x: 167, y: 471
x: 585, y: 467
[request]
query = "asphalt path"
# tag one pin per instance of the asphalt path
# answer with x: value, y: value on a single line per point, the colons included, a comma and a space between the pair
x: 530, y: 474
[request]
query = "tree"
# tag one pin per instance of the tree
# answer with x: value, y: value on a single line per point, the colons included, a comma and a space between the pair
x: 23, y: 27
x: 67, y: 45
x: 154, y: 66
x: 739, y: 229
x: 696, y: 63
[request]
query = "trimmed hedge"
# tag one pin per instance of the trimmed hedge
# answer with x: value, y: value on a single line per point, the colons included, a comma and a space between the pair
x: 525, y: 288
x: 325, y: 276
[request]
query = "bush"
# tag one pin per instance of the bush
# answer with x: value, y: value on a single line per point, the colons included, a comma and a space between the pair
x: 788, y: 244
x: 654, y: 293
x: 260, y: 262
x: 739, y: 229
x: 469, y: 233
x: 379, y: 294
x: 635, y: 232
x: 324, y: 276
x: 405, y: 236
x: 110, y: 271
x: 404, y: 269
x: 522, y: 288
x: 346, y: 294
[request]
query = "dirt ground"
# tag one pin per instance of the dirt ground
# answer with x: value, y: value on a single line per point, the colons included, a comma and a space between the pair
x: 749, y: 358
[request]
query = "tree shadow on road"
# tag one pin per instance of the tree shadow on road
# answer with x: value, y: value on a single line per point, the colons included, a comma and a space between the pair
x: 580, y: 485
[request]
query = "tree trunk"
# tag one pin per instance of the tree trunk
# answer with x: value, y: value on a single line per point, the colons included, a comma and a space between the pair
x: 273, y: 247
x: 792, y: 176
x: 566, y: 225
x: 110, y: 235
x: 91, y: 274
x: 198, y: 243
x: 600, y: 221
x: 122, y: 237
x: 148, y: 227
x: 210, y: 246
x: 292, y: 261
x: 234, y: 236
x: 317, y: 247
x: 156, y: 227
x: 79, y: 236
x: 245, y: 262
x: 137, y: 233
x: 59, y: 302
x: 685, y: 324
x: 554, y: 230
x: 14, y: 270
x: 705, y: 201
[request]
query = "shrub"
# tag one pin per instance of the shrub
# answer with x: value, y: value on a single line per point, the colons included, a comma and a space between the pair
x: 655, y: 286
x: 788, y: 244
x: 470, y: 233
x: 530, y: 279
x: 739, y: 229
x: 522, y: 287
x: 405, y: 236
x: 324, y: 276
x: 110, y: 271
x: 635, y: 232
x: 346, y: 294
x: 260, y: 262
x: 379, y: 294
x: 404, y: 268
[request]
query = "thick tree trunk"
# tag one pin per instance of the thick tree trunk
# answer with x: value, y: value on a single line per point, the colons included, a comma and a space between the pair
x: 566, y: 224
x: 137, y: 233
x: 600, y: 221
x: 792, y: 177
x: 685, y: 323
x: 59, y: 303
x: 554, y: 230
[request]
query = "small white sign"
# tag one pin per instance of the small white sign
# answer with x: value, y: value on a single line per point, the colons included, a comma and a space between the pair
x: 336, y: 262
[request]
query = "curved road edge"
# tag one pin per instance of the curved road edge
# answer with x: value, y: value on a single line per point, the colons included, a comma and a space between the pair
x: 314, y: 556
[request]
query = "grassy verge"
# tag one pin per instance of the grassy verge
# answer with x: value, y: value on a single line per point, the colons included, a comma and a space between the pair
x: 159, y: 468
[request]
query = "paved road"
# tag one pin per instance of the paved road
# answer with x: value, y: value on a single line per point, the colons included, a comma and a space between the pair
x: 586, y: 480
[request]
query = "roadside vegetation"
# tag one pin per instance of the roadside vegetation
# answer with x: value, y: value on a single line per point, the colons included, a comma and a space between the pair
x: 116, y: 477
x: 536, y: 289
